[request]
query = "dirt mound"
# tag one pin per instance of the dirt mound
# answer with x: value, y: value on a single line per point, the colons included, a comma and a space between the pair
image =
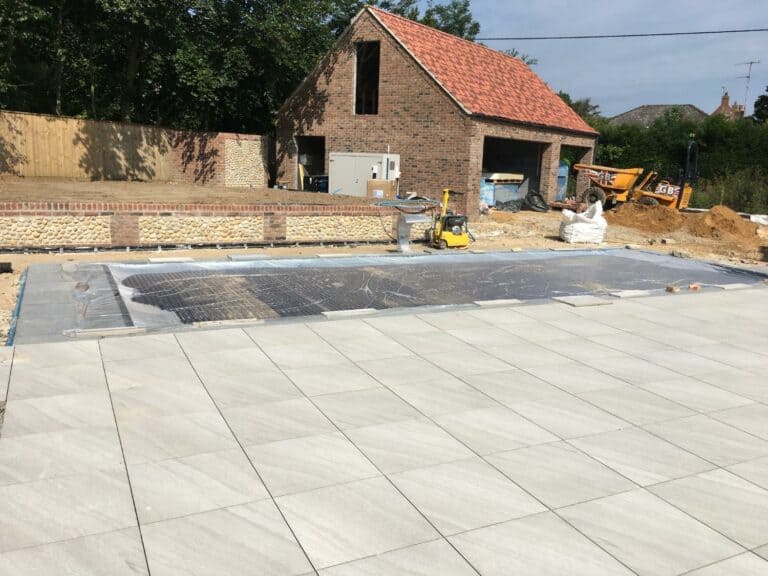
x: 721, y: 223
x: 646, y: 218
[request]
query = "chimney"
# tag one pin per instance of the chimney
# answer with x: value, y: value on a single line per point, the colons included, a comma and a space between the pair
x: 725, y: 101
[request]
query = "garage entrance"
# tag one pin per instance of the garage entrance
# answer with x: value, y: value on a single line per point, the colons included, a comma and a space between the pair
x: 503, y: 156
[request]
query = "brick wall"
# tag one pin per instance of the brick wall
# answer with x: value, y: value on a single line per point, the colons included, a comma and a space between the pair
x: 50, y: 225
x: 416, y: 118
x: 439, y: 145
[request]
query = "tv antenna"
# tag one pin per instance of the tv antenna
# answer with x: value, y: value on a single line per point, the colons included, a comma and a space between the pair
x: 748, y: 77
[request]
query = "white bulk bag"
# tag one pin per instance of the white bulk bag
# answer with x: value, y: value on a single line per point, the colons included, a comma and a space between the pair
x: 588, y: 227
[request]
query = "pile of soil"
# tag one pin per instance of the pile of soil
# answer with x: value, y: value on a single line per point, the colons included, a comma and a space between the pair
x: 722, y: 223
x: 657, y: 219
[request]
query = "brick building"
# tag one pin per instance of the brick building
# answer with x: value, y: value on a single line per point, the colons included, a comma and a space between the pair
x: 452, y: 109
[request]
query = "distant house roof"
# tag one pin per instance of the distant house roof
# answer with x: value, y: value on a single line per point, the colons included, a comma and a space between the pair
x: 649, y: 113
x: 482, y: 81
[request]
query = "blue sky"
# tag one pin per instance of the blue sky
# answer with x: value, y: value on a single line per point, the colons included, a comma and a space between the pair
x: 621, y: 74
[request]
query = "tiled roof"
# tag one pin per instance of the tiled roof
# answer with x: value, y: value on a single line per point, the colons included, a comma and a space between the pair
x: 484, y: 82
x: 647, y: 114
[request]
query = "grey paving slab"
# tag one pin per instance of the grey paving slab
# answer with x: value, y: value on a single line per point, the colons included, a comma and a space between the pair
x: 683, y: 362
x: 400, y: 324
x: 278, y: 335
x: 752, y: 418
x: 742, y: 382
x: 247, y: 539
x: 734, y: 356
x: 302, y: 355
x: 47, y: 355
x: 432, y: 342
x: 183, y: 486
x: 578, y: 347
x: 311, y: 462
x: 742, y: 565
x: 370, y: 348
x: 406, y: 445
x: 583, y: 327
x: 118, y: 553
x: 436, y: 557
x: 558, y: 474
x: 30, y: 381
x: 583, y: 300
x: 38, y: 456
x: 464, y: 495
x: 635, y: 405
x: 490, y: 430
x: 696, y: 395
x: 57, y: 509
x: 52, y: 413
x: 649, y: 535
x: 453, y: 320
x: 406, y: 369
x: 319, y: 380
x: 500, y: 315
x: 443, y: 396
x: 569, y: 417
x: 486, y: 336
x: 575, y: 377
x: 642, y: 457
x: 152, y: 439
x: 354, y: 520
x: 202, y: 342
x: 161, y: 399
x: 246, y: 387
x: 157, y: 371
x: 540, y: 545
x: 631, y: 369
x: 462, y: 362
x: 755, y: 471
x: 711, y: 440
x: 627, y: 341
x: 526, y: 356
x: 727, y: 503
x: 262, y: 423
x: 762, y: 552
x: 345, y: 330
x: 514, y: 387
x: 140, y: 347
x: 234, y: 364
x: 365, y: 408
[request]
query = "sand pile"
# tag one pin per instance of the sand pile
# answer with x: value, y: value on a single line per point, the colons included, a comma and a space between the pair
x: 655, y: 219
x: 721, y: 223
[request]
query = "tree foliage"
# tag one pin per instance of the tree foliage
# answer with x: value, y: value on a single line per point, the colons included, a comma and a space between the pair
x: 733, y: 157
x: 198, y: 64
x: 584, y: 107
x: 526, y: 58
x: 760, y: 114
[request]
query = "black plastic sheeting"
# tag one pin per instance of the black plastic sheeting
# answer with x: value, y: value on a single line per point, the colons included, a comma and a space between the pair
x: 206, y: 291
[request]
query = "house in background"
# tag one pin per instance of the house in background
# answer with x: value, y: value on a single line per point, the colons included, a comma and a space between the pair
x: 731, y: 111
x: 451, y: 109
x: 647, y: 114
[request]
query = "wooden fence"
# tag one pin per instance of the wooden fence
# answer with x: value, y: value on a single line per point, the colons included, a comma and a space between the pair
x: 35, y: 145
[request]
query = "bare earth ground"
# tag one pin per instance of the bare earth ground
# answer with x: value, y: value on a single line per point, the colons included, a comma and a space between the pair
x: 499, y: 231
x: 68, y: 190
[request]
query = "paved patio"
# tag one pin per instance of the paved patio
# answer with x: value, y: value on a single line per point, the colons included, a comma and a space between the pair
x: 537, y: 439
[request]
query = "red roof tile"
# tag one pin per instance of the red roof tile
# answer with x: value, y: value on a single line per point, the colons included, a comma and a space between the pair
x: 485, y: 82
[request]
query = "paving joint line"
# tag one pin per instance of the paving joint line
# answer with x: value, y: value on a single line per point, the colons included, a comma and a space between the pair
x: 125, y: 463
x: 381, y: 472
x: 242, y: 448
x: 523, y: 489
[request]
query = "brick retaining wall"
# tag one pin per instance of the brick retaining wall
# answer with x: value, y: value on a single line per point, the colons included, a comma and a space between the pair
x: 36, y: 225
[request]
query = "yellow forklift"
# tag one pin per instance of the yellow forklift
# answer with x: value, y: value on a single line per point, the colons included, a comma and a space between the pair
x: 448, y: 230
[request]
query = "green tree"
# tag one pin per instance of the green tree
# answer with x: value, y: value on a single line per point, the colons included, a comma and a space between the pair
x: 455, y: 18
x: 527, y: 59
x: 761, y: 108
x: 584, y: 107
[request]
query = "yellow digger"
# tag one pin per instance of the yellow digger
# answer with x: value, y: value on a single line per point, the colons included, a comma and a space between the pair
x: 613, y: 185
x: 449, y: 230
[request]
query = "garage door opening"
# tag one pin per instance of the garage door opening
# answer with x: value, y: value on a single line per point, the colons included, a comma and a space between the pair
x: 312, y: 174
x: 502, y: 156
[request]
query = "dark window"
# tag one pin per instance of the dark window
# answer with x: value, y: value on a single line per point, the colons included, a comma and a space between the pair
x: 367, y: 84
